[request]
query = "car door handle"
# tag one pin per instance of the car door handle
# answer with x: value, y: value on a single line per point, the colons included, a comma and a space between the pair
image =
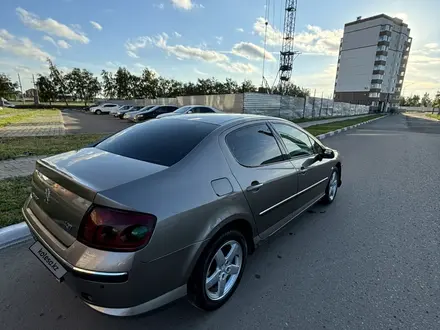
x: 255, y: 186
x: 303, y: 170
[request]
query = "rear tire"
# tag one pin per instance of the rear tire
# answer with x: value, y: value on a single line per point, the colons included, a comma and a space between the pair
x: 218, y: 272
x: 332, y: 187
x: 98, y: 112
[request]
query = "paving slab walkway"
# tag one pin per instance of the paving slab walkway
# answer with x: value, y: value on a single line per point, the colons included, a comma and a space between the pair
x: 18, y: 167
x: 51, y: 126
x: 326, y: 121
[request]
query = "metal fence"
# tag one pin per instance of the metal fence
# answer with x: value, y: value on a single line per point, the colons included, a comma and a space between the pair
x: 288, y: 107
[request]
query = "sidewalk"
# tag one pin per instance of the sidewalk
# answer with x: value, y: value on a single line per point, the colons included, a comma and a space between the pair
x: 18, y: 167
x: 326, y: 121
x: 46, y: 126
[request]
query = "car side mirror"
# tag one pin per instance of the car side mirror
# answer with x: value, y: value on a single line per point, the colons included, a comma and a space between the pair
x: 328, y: 153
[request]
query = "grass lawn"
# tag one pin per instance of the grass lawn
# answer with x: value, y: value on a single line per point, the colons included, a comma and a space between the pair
x: 24, y: 116
x: 14, y: 147
x: 13, y: 193
x: 434, y: 116
x: 324, y: 128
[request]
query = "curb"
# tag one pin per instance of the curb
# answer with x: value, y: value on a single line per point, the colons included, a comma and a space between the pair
x: 14, y: 234
x: 19, y: 233
x: 328, y: 134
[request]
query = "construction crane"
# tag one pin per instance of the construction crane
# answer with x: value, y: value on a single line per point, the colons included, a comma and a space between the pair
x: 287, y: 54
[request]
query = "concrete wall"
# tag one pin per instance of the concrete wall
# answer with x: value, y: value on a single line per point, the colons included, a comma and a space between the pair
x: 419, y: 109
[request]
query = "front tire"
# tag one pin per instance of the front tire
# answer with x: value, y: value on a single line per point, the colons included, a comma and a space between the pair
x: 218, y: 272
x: 98, y: 112
x: 332, y: 187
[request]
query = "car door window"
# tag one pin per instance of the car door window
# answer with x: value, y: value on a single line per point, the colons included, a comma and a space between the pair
x: 254, y: 146
x: 205, y: 110
x: 296, y: 142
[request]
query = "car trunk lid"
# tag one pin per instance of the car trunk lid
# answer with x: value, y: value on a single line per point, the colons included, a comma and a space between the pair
x: 64, y: 186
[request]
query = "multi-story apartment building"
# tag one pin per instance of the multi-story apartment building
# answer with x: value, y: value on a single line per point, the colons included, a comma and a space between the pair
x: 373, y: 56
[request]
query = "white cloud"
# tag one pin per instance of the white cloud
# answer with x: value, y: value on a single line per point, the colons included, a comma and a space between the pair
x: 63, y: 44
x: 132, y: 54
x: 134, y: 44
x: 197, y: 71
x: 239, y: 29
x: 96, y: 25
x: 177, y: 34
x: 51, y: 40
x: 187, y: 52
x: 274, y: 37
x: 237, y: 67
x: 219, y: 40
x: 186, y: 4
x: 159, y: 6
x: 314, y: 40
x: 251, y: 51
x: 50, y: 26
x: 5, y: 34
x: 21, y: 47
x: 183, y: 4
x: 402, y: 16
x: 141, y: 67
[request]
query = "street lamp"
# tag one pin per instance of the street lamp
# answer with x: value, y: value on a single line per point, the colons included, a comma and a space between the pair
x: 403, y: 89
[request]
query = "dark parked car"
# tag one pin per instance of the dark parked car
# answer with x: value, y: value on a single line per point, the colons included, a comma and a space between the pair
x: 154, y: 112
x: 196, y: 195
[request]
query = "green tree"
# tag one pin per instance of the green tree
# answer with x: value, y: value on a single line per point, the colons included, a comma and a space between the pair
x: 436, y: 102
x: 57, y: 78
x: 7, y: 87
x: 109, y: 84
x: 149, y: 83
x: 46, y: 89
x: 122, y: 83
x: 426, y: 100
x: 413, y: 101
x: 82, y: 84
x: 247, y: 87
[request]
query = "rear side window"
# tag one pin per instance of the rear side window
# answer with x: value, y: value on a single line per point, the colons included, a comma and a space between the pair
x: 254, y: 146
x: 163, y: 142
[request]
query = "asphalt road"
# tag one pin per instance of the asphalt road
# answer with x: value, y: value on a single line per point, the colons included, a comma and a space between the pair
x: 369, y: 261
x: 78, y: 122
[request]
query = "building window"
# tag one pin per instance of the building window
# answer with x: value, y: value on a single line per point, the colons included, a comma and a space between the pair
x: 381, y: 58
x: 374, y: 95
x: 379, y: 67
x: 377, y: 77
x: 376, y: 86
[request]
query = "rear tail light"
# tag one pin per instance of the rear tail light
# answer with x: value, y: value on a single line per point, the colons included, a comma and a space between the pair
x: 116, y: 230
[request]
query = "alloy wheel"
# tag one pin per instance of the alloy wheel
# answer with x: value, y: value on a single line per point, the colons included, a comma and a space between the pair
x: 333, y: 186
x: 224, y: 270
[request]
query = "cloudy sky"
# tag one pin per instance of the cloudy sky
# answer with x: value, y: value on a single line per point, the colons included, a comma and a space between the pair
x: 190, y: 39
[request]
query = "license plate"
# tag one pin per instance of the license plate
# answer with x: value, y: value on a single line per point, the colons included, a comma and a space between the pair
x: 48, y: 260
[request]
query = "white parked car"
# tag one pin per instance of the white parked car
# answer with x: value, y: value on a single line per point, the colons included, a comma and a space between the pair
x: 7, y: 104
x: 105, y: 108
x: 188, y: 109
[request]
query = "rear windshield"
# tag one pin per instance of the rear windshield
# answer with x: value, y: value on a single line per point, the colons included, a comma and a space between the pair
x: 163, y: 142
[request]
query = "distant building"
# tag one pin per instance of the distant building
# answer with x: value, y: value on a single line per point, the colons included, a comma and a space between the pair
x: 373, y: 55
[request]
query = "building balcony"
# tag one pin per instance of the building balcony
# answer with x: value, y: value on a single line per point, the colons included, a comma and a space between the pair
x: 381, y: 53
x: 376, y: 81
x: 380, y: 63
x: 385, y: 33
x: 378, y: 71
x: 383, y: 43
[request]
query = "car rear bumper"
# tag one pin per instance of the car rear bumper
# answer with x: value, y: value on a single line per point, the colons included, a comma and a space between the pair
x: 142, y: 288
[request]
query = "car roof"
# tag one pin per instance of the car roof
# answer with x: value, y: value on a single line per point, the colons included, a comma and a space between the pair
x: 218, y: 118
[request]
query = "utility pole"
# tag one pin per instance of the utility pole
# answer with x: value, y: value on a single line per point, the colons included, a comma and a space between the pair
x: 21, y: 87
x: 36, y: 98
